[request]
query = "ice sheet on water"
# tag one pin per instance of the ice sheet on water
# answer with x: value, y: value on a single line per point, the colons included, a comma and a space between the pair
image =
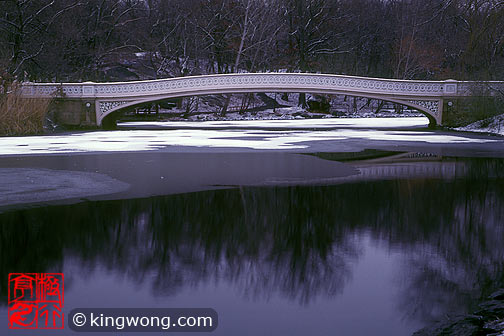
x: 143, y: 140
x: 293, y: 123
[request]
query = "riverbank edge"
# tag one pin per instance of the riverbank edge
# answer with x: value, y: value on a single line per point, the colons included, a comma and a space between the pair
x: 489, y: 320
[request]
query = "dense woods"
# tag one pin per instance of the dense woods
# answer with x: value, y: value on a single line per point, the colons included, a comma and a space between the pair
x: 79, y: 40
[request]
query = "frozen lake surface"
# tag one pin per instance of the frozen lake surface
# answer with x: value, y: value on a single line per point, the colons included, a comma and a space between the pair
x: 255, y: 134
x: 325, y: 123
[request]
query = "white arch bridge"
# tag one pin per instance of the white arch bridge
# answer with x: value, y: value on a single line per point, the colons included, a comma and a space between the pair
x: 92, y: 103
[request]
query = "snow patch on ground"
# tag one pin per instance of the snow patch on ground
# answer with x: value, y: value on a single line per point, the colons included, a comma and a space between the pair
x: 493, y: 125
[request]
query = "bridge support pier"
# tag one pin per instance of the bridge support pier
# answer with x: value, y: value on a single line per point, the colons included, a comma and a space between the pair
x: 109, y: 124
x: 450, y: 111
x: 73, y: 112
x: 465, y: 110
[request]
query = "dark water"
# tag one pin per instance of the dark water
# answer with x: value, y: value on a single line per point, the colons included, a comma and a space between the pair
x: 377, y: 257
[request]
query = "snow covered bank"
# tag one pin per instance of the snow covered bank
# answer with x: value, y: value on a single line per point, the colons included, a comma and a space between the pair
x: 493, y: 125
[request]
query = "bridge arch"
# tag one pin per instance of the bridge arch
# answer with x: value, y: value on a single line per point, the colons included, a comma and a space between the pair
x: 109, y: 109
x: 78, y: 100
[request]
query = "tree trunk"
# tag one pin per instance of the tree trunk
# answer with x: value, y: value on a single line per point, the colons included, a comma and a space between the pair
x: 238, y: 55
x: 302, y: 100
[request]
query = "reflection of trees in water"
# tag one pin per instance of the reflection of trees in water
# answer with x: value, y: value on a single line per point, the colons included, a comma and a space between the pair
x: 460, y: 258
x: 255, y: 238
x: 264, y: 248
x: 297, y: 241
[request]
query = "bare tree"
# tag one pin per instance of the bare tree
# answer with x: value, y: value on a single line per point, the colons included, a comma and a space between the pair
x: 25, y: 24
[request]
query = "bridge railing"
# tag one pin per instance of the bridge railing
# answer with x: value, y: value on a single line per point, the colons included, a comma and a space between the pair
x: 259, y: 81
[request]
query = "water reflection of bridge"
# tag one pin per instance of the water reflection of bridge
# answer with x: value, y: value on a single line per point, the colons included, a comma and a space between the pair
x: 403, y: 166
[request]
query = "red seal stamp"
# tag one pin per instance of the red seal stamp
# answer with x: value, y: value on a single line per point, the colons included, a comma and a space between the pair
x: 36, y: 300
